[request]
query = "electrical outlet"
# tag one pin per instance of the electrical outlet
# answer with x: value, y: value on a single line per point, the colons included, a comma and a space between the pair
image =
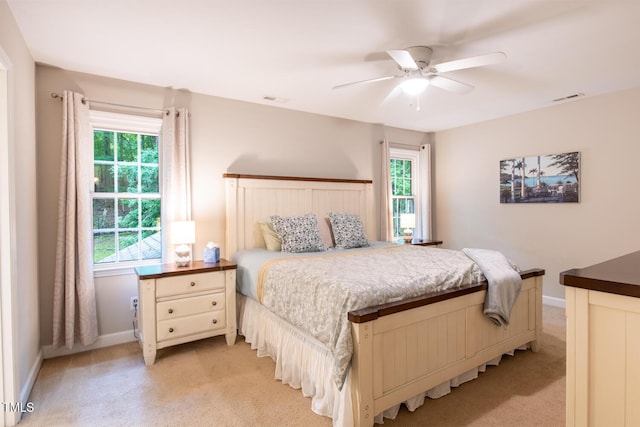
x: 134, y: 303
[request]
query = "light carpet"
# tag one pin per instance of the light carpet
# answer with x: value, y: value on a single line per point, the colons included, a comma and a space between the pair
x: 207, y: 383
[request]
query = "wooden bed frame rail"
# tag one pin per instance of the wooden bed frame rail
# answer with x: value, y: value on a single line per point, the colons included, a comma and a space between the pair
x: 405, y: 348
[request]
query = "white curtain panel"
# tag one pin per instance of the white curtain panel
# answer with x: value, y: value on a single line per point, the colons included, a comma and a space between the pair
x: 424, y: 159
x: 386, y: 207
x: 176, y: 174
x: 74, y: 300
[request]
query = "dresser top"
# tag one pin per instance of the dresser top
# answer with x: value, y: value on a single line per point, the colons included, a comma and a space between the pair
x: 617, y: 276
x: 158, y: 271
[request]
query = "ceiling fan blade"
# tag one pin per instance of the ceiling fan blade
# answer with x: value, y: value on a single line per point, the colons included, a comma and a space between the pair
x: 379, y: 79
x: 449, y: 84
x: 474, y: 61
x: 404, y: 59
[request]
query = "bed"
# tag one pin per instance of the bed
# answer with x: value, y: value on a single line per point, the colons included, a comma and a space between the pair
x: 402, y: 351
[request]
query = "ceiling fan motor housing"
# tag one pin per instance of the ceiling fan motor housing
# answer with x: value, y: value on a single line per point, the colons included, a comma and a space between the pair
x: 421, y: 55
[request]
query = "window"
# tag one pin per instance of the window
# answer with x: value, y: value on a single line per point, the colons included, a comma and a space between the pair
x: 404, y: 186
x: 126, y: 197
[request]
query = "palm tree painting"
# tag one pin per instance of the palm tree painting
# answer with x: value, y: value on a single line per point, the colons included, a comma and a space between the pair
x: 551, y: 178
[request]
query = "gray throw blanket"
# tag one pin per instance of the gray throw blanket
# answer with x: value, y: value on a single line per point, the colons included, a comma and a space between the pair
x: 504, y: 283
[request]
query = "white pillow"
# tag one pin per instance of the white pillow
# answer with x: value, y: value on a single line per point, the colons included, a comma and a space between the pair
x: 271, y: 239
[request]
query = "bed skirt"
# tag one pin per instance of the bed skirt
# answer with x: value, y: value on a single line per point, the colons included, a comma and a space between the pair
x: 304, y: 363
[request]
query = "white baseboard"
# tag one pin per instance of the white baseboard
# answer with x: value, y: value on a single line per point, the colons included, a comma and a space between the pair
x: 25, y: 392
x: 127, y: 336
x: 553, y: 301
x: 102, y: 341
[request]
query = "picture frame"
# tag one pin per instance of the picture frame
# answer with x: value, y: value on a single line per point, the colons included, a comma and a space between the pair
x: 552, y: 178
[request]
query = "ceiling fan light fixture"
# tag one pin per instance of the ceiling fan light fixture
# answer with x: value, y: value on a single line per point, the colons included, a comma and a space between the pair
x: 414, y: 85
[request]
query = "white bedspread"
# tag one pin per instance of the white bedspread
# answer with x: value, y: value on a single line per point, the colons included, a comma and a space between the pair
x: 315, y: 293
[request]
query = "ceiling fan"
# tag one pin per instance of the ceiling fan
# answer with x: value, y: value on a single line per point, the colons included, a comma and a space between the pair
x: 418, y: 72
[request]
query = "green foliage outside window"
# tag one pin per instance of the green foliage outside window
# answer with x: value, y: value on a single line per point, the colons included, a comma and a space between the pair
x: 126, y: 205
x: 401, y: 171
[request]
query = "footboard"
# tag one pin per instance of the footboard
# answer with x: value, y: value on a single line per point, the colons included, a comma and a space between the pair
x: 405, y: 348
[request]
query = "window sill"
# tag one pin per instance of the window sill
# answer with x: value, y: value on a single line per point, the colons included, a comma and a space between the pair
x: 120, y: 270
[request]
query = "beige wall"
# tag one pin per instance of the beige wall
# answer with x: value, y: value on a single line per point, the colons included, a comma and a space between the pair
x: 555, y: 237
x: 22, y: 207
x: 226, y: 136
x: 233, y: 136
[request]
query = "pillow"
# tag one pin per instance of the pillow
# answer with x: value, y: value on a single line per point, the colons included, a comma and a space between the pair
x: 271, y: 239
x: 324, y: 228
x: 298, y: 233
x: 348, y: 230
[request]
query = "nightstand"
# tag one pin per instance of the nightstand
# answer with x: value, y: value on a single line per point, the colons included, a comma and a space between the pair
x: 182, y: 304
x: 421, y: 242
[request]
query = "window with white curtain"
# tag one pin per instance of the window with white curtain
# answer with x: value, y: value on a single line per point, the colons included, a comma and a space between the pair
x: 405, y: 185
x: 126, y: 195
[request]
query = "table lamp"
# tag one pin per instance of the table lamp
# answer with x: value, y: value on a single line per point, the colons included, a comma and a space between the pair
x: 408, y: 222
x: 183, y: 234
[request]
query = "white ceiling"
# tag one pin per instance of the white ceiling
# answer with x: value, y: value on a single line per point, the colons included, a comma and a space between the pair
x: 298, y: 50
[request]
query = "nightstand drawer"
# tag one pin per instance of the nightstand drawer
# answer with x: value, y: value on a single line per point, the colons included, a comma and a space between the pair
x: 188, y: 306
x: 175, y: 328
x: 187, y: 283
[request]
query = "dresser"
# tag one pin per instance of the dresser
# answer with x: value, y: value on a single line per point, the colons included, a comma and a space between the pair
x: 603, y: 343
x: 182, y: 304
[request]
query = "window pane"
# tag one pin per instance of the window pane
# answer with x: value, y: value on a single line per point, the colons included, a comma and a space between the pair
x: 395, y: 168
x: 149, y: 149
x: 401, y: 180
x: 103, y: 215
x: 128, y: 213
x: 128, y: 179
x: 126, y: 198
x: 151, y: 245
x: 103, y: 145
x: 128, y: 245
x: 149, y: 177
x: 104, y: 247
x: 151, y: 213
x: 127, y: 147
x: 408, y: 206
x: 103, y: 178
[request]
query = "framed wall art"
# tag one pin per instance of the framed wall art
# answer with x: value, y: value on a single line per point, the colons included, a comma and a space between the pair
x: 553, y: 178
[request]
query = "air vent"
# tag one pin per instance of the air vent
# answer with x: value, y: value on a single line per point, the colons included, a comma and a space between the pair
x: 274, y: 99
x: 568, y: 97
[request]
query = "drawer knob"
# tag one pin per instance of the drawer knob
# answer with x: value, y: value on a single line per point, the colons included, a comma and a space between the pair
x: 170, y: 310
x: 214, y: 302
x: 193, y: 283
x: 170, y: 329
x: 214, y: 321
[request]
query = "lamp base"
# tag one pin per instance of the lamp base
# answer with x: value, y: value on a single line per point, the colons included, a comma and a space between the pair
x: 183, y: 255
x: 183, y: 262
x: 408, y: 235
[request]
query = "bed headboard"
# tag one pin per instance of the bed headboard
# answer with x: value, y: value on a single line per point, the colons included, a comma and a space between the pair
x: 252, y: 199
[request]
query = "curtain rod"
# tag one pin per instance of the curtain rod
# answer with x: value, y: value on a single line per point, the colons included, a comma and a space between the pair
x: 413, y: 147
x: 84, y: 100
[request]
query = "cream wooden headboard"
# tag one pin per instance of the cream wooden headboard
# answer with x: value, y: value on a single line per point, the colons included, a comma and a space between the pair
x: 254, y: 198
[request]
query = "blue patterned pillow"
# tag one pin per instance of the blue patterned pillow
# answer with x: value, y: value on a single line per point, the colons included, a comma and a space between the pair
x: 348, y: 230
x: 298, y: 233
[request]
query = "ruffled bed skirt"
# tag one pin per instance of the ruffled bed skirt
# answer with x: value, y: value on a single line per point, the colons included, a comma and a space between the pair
x: 304, y: 363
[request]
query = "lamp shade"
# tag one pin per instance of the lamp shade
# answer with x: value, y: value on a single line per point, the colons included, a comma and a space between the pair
x: 407, y: 220
x: 183, y: 232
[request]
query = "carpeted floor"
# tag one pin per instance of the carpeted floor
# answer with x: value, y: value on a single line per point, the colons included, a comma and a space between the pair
x: 207, y: 383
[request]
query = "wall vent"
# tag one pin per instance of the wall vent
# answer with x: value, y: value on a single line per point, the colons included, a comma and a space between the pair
x: 568, y: 97
x: 274, y: 98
